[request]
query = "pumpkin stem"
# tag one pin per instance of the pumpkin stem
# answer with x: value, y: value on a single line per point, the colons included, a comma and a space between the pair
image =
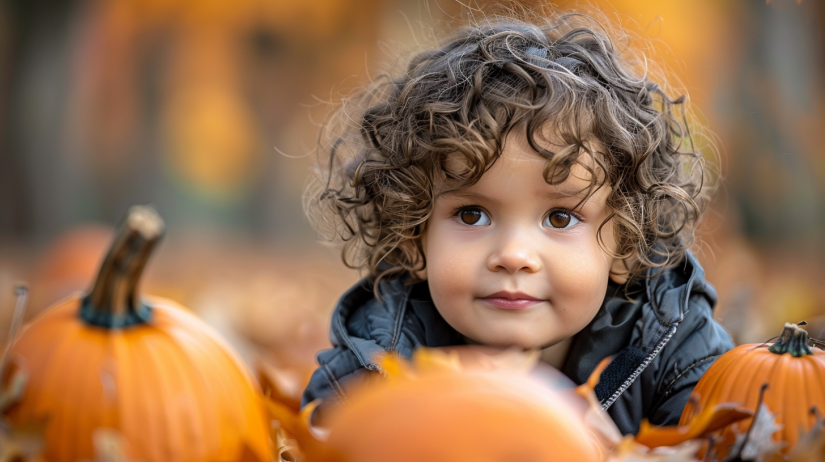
x: 114, y: 301
x: 793, y: 340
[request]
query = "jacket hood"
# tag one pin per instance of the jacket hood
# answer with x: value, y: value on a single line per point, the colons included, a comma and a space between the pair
x: 669, y: 292
x: 404, y: 319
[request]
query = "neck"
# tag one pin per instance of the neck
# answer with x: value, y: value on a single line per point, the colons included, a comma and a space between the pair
x: 555, y: 355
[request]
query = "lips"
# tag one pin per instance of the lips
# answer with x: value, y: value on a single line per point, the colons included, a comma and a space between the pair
x: 511, y: 300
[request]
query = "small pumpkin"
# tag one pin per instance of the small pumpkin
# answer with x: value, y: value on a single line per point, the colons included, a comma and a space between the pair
x: 786, y: 376
x: 146, y: 368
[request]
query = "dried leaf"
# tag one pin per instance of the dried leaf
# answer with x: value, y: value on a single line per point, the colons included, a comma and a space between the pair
x: 472, y: 358
x: 22, y: 442
x: 602, y: 427
x: 18, y: 442
x: 12, y: 393
x: 395, y: 367
x: 596, y: 418
x: 699, y: 426
x: 757, y: 443
x: 811, y: 447
x: 513, y: 360
x: 295, y: 438
x: 586, y: 390
x: 295, y: 424
x: 108, y: 446
x: 628, y: 450
x: 282, y: 385
x: 286, y: 448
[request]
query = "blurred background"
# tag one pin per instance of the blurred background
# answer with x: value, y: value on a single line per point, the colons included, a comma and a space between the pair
x: 210, y: 110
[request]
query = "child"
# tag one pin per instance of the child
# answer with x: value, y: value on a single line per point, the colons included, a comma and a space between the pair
x: 523, y: 185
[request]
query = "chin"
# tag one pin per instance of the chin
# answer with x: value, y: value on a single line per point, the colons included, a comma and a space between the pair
x: 510, y: 340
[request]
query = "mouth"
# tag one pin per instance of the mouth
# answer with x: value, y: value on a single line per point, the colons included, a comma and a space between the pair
x: 511, y: 300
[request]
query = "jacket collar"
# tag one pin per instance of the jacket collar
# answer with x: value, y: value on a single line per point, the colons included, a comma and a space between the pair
x: 668, y: 292
x: 404, y: 319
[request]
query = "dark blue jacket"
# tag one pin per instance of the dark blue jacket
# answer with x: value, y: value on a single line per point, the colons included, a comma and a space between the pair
x: 662, y: 341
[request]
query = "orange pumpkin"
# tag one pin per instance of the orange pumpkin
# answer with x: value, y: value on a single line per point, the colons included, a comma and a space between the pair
x: 146, y: 368
x: 793, y: 372
x: 437, y: 412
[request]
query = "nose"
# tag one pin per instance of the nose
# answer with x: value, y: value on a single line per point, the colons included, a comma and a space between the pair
x: 515, y: 252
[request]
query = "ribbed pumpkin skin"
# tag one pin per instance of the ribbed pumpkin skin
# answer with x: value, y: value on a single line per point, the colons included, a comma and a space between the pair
x: 795, y: 384
x: 172, y: 388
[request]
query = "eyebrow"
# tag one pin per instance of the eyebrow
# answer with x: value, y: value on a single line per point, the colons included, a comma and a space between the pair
x: 549, y: 195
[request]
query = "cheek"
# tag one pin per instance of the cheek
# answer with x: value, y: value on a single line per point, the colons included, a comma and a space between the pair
x: 450, y: 264
x: 582, y: 273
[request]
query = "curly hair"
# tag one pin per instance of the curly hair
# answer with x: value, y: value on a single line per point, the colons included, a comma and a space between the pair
x: 384, y: 151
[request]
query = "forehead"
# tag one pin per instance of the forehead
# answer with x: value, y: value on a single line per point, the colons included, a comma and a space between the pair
x: 518, y: 161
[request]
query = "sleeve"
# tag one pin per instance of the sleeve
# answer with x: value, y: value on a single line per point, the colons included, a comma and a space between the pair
x: 698, y: 342
x: 336, y: 366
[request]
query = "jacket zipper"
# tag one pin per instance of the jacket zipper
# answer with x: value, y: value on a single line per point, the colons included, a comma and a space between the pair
x: 629, y: 381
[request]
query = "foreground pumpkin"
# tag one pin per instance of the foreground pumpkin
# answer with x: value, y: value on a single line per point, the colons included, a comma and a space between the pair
x: 145, y: 368
x: 437, y: 410
x: 466, y: 404
x: 786, y: 376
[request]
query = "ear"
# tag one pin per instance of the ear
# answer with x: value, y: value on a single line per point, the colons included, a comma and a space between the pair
x: 422, y: 274
x: 618, y: 271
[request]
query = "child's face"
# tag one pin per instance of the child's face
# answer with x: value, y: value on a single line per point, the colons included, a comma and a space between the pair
x: 514, y: 236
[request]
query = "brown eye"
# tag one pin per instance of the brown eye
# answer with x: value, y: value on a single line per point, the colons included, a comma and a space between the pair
x: 473, y: 216
x: 560, y: 219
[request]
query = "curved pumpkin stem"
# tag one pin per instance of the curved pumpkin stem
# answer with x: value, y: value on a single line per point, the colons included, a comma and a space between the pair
x: 793, y: 340
x: 114, y: 301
